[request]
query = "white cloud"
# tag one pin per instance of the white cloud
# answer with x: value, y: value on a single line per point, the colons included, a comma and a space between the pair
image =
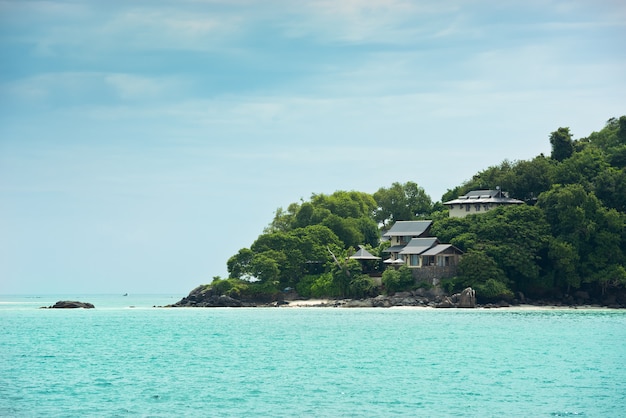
x: 377, y: 21
x: 91, y: 87
x: 169, y: 28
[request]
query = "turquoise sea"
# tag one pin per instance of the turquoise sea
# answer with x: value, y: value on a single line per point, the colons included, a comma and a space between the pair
x: 118, y: 361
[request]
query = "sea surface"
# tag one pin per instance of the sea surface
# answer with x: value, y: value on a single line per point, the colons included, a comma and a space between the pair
x: 119, y: 361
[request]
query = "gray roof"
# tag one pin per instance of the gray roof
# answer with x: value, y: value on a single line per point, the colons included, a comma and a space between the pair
x: 438, y: 249
x: 484, y: 196
x: 394, y: 249
x: 408, y: 229
x: 363, y: 254
x: 419, y: 245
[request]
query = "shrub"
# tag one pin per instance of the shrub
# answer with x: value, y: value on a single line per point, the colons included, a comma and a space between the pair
x: 397, y: 280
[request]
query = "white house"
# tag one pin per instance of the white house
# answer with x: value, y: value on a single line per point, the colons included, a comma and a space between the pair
x: 479, y: 201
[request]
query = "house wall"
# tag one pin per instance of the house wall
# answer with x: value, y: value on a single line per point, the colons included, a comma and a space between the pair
x: 461, y: 210
x: 413, y: 260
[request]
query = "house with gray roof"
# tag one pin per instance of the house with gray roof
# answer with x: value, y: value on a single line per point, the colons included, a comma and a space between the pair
x: 412, y: 245
x: 479, y: 201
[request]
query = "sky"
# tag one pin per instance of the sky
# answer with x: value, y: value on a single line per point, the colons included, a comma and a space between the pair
x: 143, y: 143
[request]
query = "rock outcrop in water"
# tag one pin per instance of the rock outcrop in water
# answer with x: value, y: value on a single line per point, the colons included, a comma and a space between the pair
x: 71, y: 304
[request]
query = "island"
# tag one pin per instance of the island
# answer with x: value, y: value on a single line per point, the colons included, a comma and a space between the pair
x: 546, y: 231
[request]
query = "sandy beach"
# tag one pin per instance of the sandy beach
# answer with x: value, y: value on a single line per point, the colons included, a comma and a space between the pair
x: 317, y: 303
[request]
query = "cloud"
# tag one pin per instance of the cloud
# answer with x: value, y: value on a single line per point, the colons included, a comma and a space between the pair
x: 72, y: 88
x: 169, y: 29
x: 369, y: 21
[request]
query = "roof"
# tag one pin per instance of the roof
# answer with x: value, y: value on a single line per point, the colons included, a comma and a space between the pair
x: 484, y: 196
x: 363, y: 254
x: 438, y: 249
x: 394, y: 249
x: 419, y: 245
x: 408, y: 229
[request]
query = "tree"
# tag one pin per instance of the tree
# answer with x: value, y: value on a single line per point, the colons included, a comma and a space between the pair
x: 480, y: 271
x: 397, y: 280
x: 343, y: 272
x: 621, y: 133
x: 528, y: 179
x: 401, y: 202
x: 562, y: 144
x: 588, y: 236
x: 362, y: 286
x: 239, y: 265
x: 581, y: 168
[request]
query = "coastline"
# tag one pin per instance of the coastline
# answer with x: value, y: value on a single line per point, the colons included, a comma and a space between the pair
x: 346, y: 303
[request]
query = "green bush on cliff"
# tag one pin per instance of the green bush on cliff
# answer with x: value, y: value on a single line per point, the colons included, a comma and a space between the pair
x: 397, y: 280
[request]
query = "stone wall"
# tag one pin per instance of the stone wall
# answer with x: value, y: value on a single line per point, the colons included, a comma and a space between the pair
x: 433, y: 274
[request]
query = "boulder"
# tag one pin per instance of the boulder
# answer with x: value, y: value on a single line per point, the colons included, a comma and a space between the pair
x: 467, y: 298
x: 381, y: 302
x: 358, y: 303
x: 445, y: 303
x: 222, y: 301
x: 71, y: 304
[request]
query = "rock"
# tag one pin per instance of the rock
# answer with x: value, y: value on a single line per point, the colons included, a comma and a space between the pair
x: 467, y: 298
x: 381, y: 302
x: 222, y: 301
x: 434, y: 293
x: 445, y: 303
x: 71, y: 304
x: 358, y: 303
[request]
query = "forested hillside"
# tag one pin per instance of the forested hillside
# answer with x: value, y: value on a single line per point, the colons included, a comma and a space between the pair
x: 569, y: 235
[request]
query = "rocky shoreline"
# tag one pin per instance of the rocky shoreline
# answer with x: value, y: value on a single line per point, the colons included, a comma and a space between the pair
x: 433, y: 298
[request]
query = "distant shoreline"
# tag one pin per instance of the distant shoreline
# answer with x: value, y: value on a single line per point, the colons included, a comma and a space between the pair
x: 332, y: 303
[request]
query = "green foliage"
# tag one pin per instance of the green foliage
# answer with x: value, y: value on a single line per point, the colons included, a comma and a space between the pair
x: 479, y: 270
x: 234, y: 288
x: 514, y: 239
x: 304, y: 285
x: 325, y: 286
x: 343, y: 273
x: 401, y: 202
x: 397, y: 280
x: 362, y: 286
x: 562, y: 144
x: 493, y: 290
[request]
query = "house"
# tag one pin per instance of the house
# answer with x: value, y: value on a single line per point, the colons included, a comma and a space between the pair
x: 402, y: 232
x: 413, y: 250
x: 412, y: 245
x: 479, y: 201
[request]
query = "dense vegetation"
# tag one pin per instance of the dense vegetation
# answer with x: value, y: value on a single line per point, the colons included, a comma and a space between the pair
x: 570, y: 235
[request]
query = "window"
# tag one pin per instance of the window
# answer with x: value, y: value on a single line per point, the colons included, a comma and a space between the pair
x: 467, y: 207
x: 477, y: 207
x: 415, y: 260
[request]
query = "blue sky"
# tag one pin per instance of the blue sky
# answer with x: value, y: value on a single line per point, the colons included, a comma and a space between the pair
x: 142, y: 143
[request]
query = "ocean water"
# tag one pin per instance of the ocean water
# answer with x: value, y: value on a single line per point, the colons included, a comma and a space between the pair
x: 306, y: 362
